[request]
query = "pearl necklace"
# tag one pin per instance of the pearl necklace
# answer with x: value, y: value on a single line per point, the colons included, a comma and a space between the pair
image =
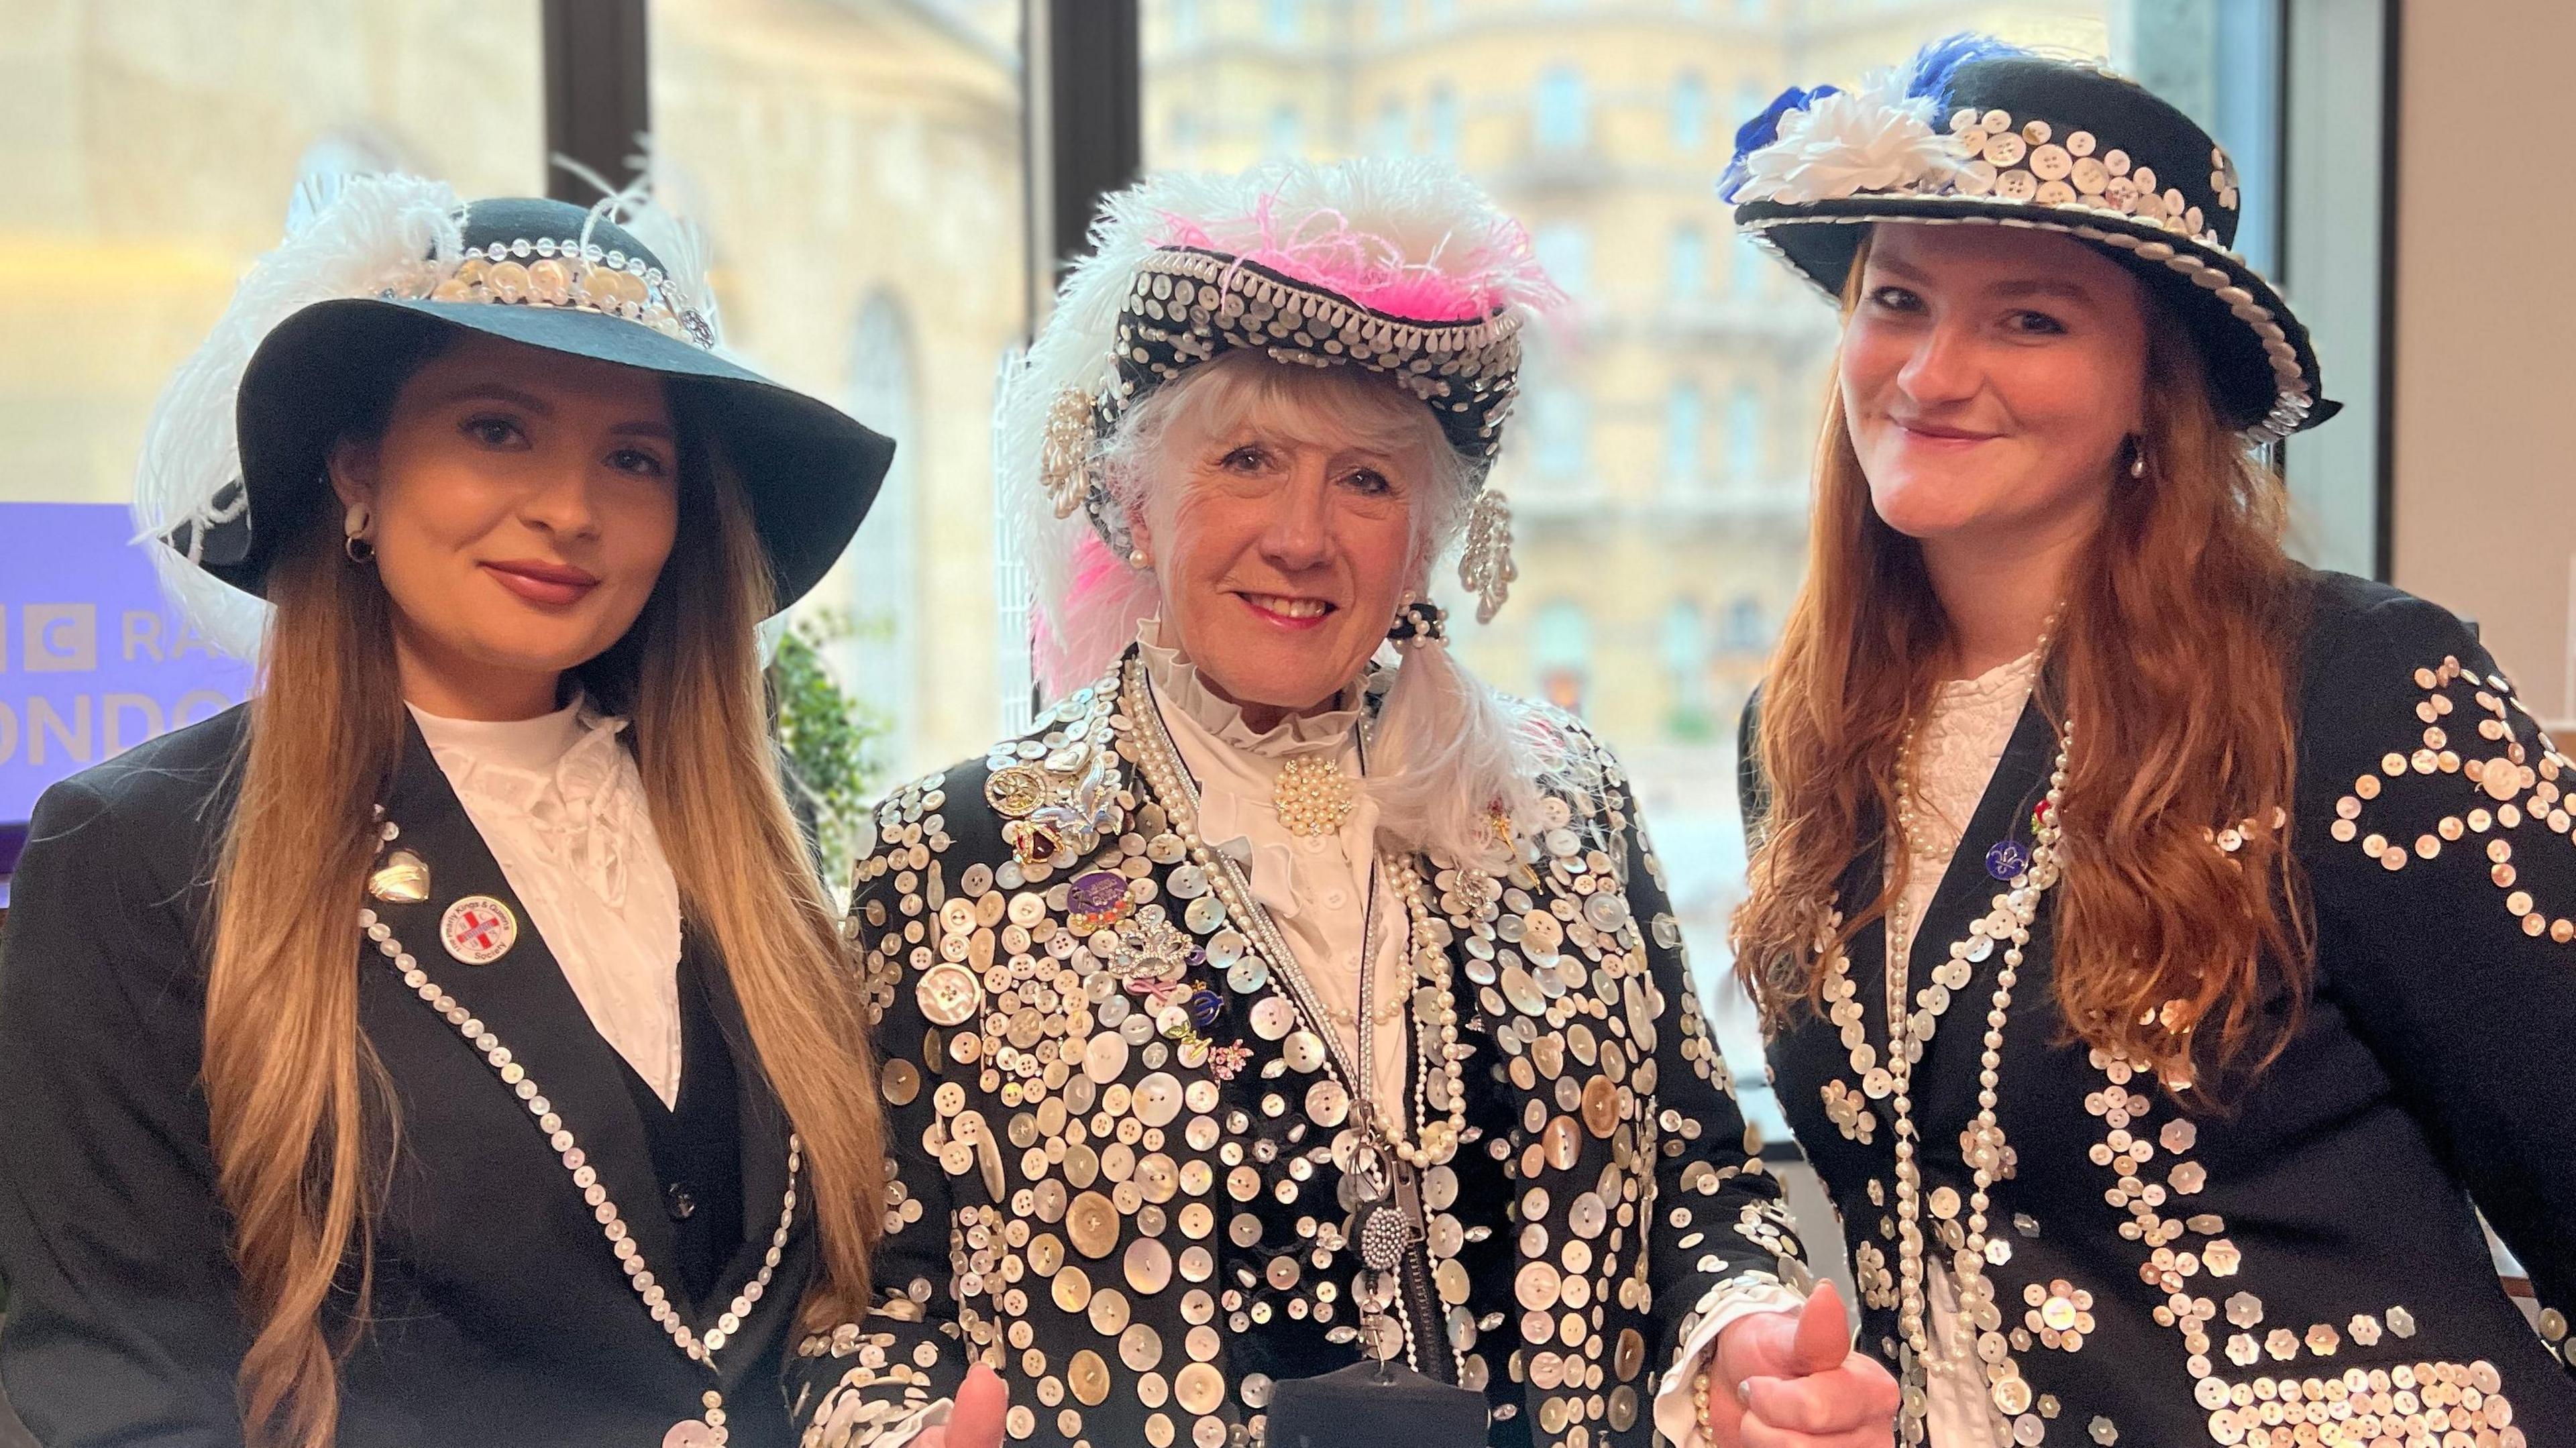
x: 1435, y: 1009
x: 2007, y: 925
x: 708, y: 1431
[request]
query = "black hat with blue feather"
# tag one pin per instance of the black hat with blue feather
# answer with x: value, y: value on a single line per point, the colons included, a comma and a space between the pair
x: 1974, y: 131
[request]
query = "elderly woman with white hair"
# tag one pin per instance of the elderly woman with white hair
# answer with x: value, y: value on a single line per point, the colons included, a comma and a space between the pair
x: 1285, y: 998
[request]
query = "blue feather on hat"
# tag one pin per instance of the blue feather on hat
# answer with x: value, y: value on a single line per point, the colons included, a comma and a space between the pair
x: 1927, y: 74
x: 1763, y: 129
x: 1930, y: 72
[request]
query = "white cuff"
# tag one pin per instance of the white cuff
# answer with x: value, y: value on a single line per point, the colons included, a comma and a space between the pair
x: 1676, y: 1399
x: 928, y: 1415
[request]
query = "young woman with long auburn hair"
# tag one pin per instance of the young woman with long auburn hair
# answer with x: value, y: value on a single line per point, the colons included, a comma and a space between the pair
x: 453, y: 1044
x: 2163, y: 944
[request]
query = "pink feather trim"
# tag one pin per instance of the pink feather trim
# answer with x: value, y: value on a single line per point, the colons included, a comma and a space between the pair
x: 1094, y: 567
x: 1463, y: 279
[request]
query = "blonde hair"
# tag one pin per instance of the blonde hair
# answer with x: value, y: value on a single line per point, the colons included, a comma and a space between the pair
x: 300, y: 1109
x: 2174, y: 659
x: 1452, y: 753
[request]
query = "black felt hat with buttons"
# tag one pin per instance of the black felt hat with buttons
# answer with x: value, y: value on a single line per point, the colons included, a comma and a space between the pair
x: 1976, y: 132
x: 379, y: 269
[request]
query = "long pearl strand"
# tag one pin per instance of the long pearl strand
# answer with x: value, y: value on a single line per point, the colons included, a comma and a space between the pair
x: 1986, y: 1149
x: 1159, y: 761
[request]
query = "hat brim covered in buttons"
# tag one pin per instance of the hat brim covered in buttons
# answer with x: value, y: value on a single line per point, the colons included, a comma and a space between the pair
x: 808, y: 471
x: 1189, y: 305
x: 1976, y: 134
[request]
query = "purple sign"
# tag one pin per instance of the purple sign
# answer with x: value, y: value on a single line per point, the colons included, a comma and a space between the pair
x: 93, y: 659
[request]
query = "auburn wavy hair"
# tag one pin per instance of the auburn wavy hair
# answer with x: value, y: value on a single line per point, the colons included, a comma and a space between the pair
x: 2174, y: 657
x: 301, y: 1111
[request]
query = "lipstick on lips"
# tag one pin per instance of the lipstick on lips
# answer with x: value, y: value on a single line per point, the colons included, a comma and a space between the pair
x: 1921, y: 431
x: 551, y: 585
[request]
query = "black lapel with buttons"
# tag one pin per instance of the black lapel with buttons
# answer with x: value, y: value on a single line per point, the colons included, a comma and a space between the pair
x: 2299, y: 1255
x: 500, y: 1313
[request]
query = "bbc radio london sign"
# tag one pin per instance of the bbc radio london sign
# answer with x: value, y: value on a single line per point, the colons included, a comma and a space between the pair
x: 93, y: 659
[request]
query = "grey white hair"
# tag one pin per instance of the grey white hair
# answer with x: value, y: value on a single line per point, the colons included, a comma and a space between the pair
x: 1450, y: 753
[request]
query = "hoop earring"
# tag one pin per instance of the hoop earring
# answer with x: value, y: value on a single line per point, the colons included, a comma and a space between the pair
x: 353, y: 535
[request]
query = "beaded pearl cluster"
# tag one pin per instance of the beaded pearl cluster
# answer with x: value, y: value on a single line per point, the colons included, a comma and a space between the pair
x: 1313, y: 797
x: 575, y: 275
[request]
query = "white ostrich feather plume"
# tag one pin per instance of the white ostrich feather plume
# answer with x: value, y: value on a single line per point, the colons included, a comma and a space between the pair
x: 358, y: 236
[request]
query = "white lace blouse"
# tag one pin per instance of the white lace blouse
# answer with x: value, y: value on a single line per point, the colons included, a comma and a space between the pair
x: 559, y: 802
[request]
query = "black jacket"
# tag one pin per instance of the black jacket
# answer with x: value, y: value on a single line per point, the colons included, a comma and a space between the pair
x: 501, y: 1315
x: 1142, y: 1246
x: 2311, y: 1259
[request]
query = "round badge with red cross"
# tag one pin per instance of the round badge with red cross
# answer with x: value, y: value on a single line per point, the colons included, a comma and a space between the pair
x: 478, y: 930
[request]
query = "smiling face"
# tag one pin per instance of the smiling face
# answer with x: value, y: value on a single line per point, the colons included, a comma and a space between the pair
x: 1284, y: 524
x: 522, y: 505
x: 1990, y: 378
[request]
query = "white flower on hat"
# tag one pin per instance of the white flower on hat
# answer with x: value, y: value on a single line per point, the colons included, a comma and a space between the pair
x: 1877, y: 138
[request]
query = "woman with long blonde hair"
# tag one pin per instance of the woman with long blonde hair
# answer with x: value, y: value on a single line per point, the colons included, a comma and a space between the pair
x: 453, y: 1044
x: 2163, y: 945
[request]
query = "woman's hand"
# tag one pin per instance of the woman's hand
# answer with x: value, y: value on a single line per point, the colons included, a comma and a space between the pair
x: 976, y: 1420
x: 1791, y: 1380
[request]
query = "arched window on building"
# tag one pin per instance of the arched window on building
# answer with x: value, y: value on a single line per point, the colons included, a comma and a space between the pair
x: 1748, y: 267
x: 1443, y: 112
x: 1744, y: 437
x: 1690, y: 112
x: 1560, y: 117
x: 1752, y: 97
x: 877, y: 662
x: 1686, y: 263
x: 1394, y: 128
x: 1684, y: 650
x: 1685, y: 418
x: 1748, y: 626
x: 1564, y: 249
x: 1287, y: 135
x: 1561, y: 653
x: 1560, y: 434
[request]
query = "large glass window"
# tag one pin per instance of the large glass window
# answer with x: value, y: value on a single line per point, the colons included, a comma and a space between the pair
x: 153, y: 146
x: 1637, y: 388
x: 859, y: 171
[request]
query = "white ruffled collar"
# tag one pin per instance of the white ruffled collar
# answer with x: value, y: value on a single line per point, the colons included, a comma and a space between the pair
x: 565, y: 774
x: 1179, y: 687
x: 1237, y: 768
x: 2012, y: 678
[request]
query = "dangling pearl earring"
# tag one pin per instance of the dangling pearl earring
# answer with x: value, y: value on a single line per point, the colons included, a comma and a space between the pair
x: 353, y: 534
x: 2137, y: 458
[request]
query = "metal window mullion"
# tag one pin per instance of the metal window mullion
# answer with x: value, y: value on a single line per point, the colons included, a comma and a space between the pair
x: 598, y: 91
